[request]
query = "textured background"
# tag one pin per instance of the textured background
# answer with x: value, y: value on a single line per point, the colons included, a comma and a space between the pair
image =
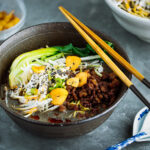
x: 118, y: 127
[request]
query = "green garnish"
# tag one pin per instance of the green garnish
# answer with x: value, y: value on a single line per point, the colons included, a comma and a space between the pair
x: 34, y: 91
x: 59, y: 83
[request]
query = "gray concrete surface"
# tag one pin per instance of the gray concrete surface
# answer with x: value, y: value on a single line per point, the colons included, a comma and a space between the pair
x: 118, y: 127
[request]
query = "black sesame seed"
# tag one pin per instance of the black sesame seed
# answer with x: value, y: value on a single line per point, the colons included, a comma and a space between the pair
x: 53, y: 73
x: 59, y: 72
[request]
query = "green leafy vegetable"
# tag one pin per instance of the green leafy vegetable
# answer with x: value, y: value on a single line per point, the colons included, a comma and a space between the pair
x: 65, y: 49
x: 81, y: 52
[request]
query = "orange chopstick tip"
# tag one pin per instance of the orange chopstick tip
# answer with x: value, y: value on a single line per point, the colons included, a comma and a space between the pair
x: 60, y: 7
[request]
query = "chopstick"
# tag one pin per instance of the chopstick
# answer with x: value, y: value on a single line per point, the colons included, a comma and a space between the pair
x: 111, y: 51
x: 106, y: 59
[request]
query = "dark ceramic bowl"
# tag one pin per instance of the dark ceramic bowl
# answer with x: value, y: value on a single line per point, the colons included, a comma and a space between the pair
x: 52, y: 34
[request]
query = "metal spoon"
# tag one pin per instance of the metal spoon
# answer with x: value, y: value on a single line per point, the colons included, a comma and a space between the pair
x: 141, y: 130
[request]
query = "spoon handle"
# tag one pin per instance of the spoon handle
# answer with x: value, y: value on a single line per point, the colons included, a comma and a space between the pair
x: 126, y: 142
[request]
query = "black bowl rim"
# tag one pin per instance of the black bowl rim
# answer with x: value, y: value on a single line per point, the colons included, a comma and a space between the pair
x: 70, y: 123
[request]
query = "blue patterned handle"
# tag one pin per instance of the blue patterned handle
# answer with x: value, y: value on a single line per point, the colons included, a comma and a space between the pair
x: 126, y: 142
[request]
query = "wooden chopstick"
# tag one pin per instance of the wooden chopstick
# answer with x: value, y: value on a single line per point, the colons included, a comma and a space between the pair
x: 111, y: 51
x: 106, y: 59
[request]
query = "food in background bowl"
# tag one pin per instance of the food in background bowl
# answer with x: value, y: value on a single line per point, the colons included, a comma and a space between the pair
x: 60, y: 84
x: 19, y: 11
x: 135, y: 24
x: 136, y: 7
x: 8, y: 20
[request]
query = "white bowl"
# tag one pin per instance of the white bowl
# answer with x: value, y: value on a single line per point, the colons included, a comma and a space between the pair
x: 137, y: 25
x: 20, y: 11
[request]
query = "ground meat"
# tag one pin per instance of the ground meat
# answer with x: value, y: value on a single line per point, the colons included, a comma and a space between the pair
x: 72, y: 106
x: 99, y: 93
x: 62, y: 108
x: 75, y: 96
x: 83, y: 93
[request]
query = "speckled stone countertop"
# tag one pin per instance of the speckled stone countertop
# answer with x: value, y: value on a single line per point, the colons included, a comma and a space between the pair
x: 118, y: 127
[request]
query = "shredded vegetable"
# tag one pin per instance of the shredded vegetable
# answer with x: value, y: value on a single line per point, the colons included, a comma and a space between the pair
x: 136, y: 7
